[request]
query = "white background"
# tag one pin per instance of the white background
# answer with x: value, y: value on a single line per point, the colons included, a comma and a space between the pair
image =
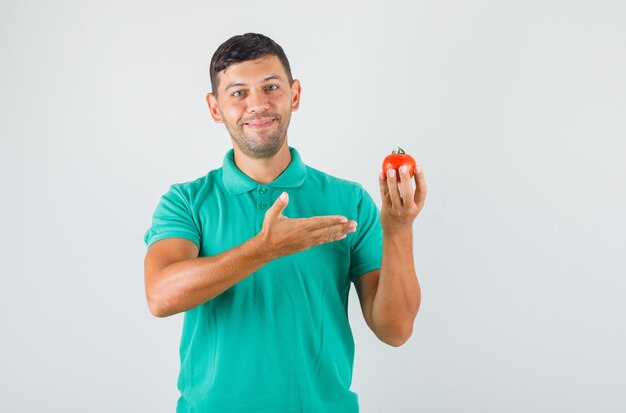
x: 515, y: 110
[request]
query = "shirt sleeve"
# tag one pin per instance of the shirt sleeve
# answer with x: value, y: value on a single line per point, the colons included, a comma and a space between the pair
x: 173, y: 218
x: 367, y: 248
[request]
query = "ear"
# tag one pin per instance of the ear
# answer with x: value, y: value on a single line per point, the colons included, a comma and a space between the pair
x: 295, y: 95
x: 211, y: 100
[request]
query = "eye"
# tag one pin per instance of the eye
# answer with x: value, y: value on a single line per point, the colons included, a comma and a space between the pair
x: 238, y: 93
x: 271, y: 87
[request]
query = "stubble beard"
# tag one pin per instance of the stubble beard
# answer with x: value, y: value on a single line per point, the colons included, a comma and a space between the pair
x: 256, y: 147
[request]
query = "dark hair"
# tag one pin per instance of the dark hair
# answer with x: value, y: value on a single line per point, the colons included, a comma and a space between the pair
x: 244, y: 47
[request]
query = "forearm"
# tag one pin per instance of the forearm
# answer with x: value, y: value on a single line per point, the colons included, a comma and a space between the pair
x: 398, y: 296
x: 186, y: 284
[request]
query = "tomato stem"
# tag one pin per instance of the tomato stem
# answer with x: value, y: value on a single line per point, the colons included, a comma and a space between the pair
x: 398, y: 150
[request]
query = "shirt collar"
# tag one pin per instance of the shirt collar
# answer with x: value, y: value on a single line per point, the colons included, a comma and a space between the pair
x: 236, y: 182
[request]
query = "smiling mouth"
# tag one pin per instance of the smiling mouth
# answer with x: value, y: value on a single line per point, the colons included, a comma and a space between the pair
x: 259, y: 123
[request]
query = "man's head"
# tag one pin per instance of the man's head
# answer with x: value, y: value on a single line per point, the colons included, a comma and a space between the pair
x: 253, y: 93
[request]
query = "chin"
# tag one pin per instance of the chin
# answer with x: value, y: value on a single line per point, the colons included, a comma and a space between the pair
x: 260, y: 152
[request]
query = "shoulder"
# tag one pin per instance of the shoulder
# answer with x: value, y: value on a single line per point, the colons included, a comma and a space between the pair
x: 341, y: 192
x: 199, y: 187
x: 333, y: 183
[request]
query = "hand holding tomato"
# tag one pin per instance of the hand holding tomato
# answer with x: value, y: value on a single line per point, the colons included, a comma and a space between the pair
x: 400, y: 201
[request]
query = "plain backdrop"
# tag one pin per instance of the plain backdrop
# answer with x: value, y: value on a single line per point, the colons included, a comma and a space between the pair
x: 515, y: 110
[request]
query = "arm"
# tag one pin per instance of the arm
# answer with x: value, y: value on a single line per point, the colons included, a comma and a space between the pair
x: 177, y: 280
x: 390, y: 297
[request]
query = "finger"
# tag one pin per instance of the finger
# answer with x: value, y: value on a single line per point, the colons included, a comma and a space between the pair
x: 384, y: 189
x: 278, y: 207
x: 420, y: 187
x: 333, y: 232
x: 314, y: 223
x: 392, y: 184
x: 406, y: 185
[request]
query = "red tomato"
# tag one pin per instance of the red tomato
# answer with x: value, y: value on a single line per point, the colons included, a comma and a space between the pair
x: 396, y: 160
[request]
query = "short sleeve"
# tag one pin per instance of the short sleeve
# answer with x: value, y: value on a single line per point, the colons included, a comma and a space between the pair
x: 367, y: 248
x: 173, y: 218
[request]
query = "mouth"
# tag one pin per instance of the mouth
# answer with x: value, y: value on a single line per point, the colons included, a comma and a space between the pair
x: 259, y: 124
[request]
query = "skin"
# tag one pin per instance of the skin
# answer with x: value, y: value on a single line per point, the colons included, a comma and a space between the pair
x: 255, y: 101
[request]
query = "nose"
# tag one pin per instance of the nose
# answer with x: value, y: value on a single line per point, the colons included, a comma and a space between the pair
x: 257, y: 103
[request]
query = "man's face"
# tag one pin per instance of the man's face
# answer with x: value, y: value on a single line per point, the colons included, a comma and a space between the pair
x: 255, y: 100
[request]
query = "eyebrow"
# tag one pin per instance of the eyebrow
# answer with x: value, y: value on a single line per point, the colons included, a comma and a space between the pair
x: 273, y: 77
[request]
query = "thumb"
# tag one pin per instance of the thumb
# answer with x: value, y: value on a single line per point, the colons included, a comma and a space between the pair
x: 278, y: 207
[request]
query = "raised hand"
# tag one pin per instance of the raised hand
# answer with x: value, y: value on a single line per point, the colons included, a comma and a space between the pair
x: 284, y: 236
x: 400, y: 202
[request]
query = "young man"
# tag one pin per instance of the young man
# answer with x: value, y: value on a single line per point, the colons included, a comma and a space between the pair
x: 260, y: 254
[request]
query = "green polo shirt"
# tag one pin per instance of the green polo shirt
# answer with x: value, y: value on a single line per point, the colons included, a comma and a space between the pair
x: 279, y: 341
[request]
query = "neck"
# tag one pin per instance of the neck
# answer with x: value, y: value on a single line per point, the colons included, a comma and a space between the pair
x: 263, y: 170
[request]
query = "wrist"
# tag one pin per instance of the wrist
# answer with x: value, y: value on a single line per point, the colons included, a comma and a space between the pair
x: 401, y: 233
x: 261, y: 249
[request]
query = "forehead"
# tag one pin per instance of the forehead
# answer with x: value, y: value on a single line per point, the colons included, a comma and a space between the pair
x: 252, y: 71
